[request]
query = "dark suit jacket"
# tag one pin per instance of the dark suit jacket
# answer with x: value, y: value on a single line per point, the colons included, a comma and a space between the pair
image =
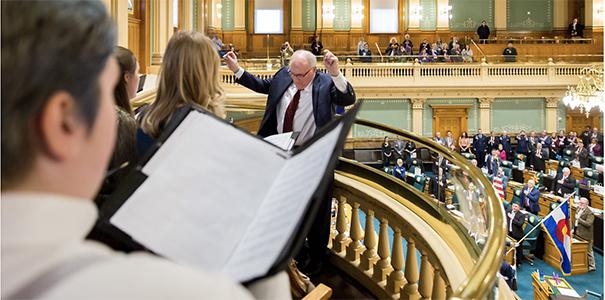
x: 325, y: 97
x: 568, y: 185
x: 438, y: 190
x: 518, y: 220
x: 532, y: 198
x: 583, y: 158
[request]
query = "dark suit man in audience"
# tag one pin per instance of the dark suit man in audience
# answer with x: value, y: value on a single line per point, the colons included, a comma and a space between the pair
x: 493, y: 141
x: 523, y: 146
x: 505, y: 141
x: 439, y: 184
x: 510, y: 53
x: 515, y: 220
x: 586, y: 135
x: 480, y: 147
x: 530, y: 196
x: 58, y: 132
x: 492, y: 162
x: 584, y: 227
x: 565, y: 184
x: 438, y: 138
x: 301, y: 99
x: 575, y: 30
x: 483, y: 32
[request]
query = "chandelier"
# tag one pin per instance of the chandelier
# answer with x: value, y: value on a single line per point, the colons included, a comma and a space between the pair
x: 588, y: 93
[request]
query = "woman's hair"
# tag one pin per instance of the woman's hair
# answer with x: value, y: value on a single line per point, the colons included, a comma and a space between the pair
x: 464, y: 134
x: 189, y: 75
x: 128, y: 65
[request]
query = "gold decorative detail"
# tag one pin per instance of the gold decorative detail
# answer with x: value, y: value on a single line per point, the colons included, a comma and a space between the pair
x: 588, y: 93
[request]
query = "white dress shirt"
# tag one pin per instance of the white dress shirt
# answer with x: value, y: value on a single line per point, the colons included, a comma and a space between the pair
x: 304, y: 120
x: 42, y: 233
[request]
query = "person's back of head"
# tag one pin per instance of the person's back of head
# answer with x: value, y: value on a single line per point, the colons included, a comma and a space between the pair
x: 57, y: 129
x: 189, y: 75
x: 129, y: 78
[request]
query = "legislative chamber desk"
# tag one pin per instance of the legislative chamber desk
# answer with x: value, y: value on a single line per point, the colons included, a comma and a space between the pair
x: 546, y: 199
x: 579, y: 258
x: 543, y: 290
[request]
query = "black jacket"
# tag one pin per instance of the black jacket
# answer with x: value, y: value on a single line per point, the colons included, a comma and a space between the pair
x: 517, y: 225
x: 483, y: 32
x: 568, y: 185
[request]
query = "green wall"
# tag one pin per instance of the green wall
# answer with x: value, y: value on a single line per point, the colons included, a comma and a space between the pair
x: 308, y: 15
x: 528, y: 15
x: 342, y: 15
x: 514, y: 115
x: 561, y: 115
x: 396, y: 113
x: 468, y: 14
x: 228, y: 15
x: 427, y: 115
x: 429, y: 15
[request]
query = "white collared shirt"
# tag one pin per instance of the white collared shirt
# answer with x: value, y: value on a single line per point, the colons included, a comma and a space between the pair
x: 304, y: 120
x: 41, y: 232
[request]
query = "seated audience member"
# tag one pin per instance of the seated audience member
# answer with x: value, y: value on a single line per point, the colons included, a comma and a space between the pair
x: 565, y: 183
x: 407, y: 43
x: 360, y: 44
x: 58, y: 131
x: 510, y: 53
x: 581, y: 154
x: 583, y: 229
x: 438, y: 185
x: 453, y: 42
x: 449, y: 141
x: 464, y: 143
x: 399, y: 169
x: 424, y: 45
x: 530, y: 196
x: 515, y: 221
x: 575, y: 30
x: 539, y: 159
x: 424, y: 57
x: 193, y: 83
x: 285, y: 52
x: 393, y: 48
x: 387, y: 152
x: 467, y: 54
x: 456, y: 53
x: 365, y: 53
x: 218, y: 43
x: 594, y: 148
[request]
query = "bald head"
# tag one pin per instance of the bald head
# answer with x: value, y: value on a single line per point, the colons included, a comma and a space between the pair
x: 566, y: 171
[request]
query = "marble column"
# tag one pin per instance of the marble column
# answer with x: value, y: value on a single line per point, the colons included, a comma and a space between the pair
x: 552, y: 103
x: 485, y: 109
x: 417, y: 112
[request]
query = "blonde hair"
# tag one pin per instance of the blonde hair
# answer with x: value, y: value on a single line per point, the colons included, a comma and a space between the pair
x: 189, y: 75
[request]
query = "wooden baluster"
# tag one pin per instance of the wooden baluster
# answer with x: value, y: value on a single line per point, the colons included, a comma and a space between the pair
x: 411, y: 273
x: 369, y: 257
x: 383, y: 266
x: 426, y: 276
x: 355, y: 248
x: 438, y: 286
x: 342, y: 240
x: 396, y: 279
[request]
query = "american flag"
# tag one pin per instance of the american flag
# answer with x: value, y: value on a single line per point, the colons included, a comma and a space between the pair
x: 498, y: 187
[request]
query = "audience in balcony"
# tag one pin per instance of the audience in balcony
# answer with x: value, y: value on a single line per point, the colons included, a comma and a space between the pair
x: 575, y: 30
x: 365, y: 53
x: 424, y: 45
x: 424, y: 57
x: 360, y: 44
x: 398, y: 148
x: 387, y: 152
x: 218, y: 43
x: 285, y: 52
x: 510, y: 53
x: 483, y: 32
x: 453, y: 42
x: 464, y: 143
x: 399, y: 169
x: 407, y: 42
x: 467, y: 54
x: 393, y: 49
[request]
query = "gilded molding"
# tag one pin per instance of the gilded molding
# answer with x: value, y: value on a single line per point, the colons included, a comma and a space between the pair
x: 552, y: 102
x: 485, y: 102
x: 418, y: 103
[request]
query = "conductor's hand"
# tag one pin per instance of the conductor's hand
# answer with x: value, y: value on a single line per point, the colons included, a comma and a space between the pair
x: 331, y: 63
x: 231, y: 60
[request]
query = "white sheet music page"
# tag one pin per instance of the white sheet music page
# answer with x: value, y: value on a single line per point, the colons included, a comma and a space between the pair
x: 282, y: 210
x: 282, y: 140
x: 205, y: 186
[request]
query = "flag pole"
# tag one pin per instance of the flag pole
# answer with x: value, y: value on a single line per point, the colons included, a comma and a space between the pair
x: 541, y: 222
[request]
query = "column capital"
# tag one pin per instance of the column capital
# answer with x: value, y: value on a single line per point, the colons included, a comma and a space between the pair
x: 418, y: 103
x: 552, y: 102
x: 485, y: 102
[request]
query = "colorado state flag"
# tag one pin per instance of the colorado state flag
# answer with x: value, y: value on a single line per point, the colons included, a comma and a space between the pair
x: 556, y: 225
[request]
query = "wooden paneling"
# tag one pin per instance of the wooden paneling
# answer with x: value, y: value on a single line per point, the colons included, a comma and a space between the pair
x: 138, y: 34
x: 450, y: 118
x: 134, y: 36
x: 577, y: 121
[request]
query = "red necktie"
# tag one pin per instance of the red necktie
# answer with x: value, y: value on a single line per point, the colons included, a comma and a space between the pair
x: 290, y: 111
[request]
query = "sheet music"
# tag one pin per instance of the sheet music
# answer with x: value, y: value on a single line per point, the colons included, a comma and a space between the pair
x: 283, y: 140
x: 183, y: 208
x: 233, y: 211
x: 289, y: 196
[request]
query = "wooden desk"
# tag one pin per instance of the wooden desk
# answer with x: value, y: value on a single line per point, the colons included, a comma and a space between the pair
x: 551, y: 164
x: 579, y: 258
x: 543, y: 290
x: 577, y: 173
x: 547, y: 199
x: 530, y: 174
x: 510, y: 186
x: 596, y: 200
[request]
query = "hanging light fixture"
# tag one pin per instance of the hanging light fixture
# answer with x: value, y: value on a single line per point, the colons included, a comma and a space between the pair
x: 588, y: 94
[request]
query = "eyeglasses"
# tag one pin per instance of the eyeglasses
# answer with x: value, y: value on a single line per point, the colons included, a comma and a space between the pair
x: 299, y: 76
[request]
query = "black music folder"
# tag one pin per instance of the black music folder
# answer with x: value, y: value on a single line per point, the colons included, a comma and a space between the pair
x: 212, y: 196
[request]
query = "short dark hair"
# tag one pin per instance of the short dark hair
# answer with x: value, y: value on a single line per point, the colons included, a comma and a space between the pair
x: 48, y: 46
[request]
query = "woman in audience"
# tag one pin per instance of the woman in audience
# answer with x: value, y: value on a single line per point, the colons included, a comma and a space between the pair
x: 387, y: 152
x: 467, y: 54
x: 189, y: 76
x: 464, y: 143
x: 540, y: 157
x: 594, y: 148
x: 129, y: 78
x: 502, y: 152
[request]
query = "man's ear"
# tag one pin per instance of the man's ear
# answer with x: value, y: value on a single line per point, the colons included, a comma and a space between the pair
x: 60, y: 126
